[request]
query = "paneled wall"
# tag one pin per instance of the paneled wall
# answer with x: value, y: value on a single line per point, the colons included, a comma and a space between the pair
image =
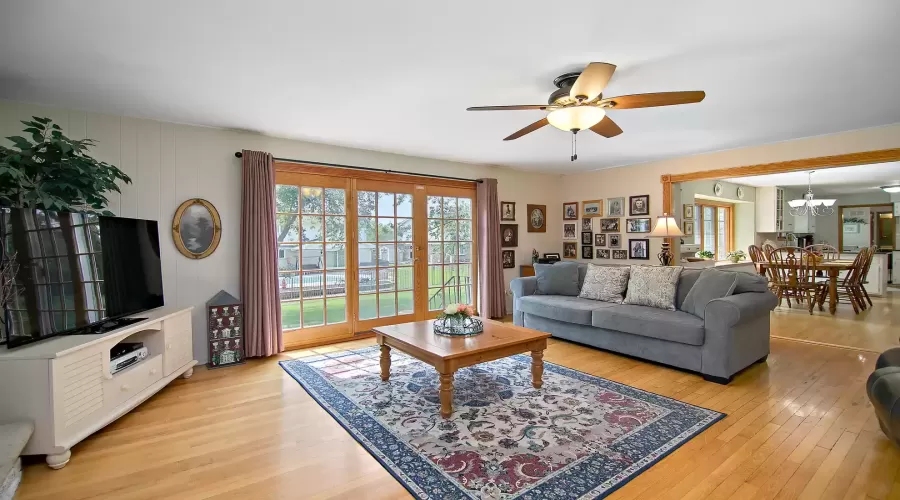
x: 169, y: 163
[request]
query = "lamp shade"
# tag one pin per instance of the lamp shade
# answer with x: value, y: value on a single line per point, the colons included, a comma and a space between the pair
x: 576, y: 117
x: 666, y: 227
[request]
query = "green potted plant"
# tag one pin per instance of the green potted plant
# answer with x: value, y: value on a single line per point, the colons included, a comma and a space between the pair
x: 52, y: 172
x: 705, y: 254
x: 736, y: 256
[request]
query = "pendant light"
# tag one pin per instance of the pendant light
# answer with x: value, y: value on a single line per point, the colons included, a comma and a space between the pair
x: 808, y: 205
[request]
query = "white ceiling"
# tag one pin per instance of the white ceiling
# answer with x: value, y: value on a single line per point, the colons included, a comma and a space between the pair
x: 397, y: 76
x: 860, y: 179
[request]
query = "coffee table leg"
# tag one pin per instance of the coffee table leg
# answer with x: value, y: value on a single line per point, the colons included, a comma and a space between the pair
x: 385, y: 362
x: 537, y: 369
x: 446, y: 392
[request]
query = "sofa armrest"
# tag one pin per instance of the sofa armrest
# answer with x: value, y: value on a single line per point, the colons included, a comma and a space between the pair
x: 523, y: 286
x: 737, y: 333
x: 732, y: 310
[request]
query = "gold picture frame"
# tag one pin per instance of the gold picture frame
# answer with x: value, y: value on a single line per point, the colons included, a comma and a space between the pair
x: 202, y: 219
x: 592, y: 208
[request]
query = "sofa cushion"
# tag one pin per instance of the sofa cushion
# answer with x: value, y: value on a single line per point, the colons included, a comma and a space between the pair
x: 685, y: 283
x: 605, y: 283
x: 750, y: 282
x: 653, y: 286
x: 561, y: 308
x: 713, y: 284
x: 557, y: 279
x: 674, y: 326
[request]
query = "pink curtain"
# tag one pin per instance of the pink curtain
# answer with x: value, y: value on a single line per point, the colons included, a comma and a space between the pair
x: 490, y: 265
x: 259, y: 256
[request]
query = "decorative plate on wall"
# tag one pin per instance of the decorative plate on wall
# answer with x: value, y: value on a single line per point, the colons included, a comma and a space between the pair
x: 196, y: 228
x: 717, y: 189
x: 740, y: 192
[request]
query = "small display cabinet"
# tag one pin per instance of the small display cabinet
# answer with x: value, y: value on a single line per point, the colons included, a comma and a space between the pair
x: 225, y: 316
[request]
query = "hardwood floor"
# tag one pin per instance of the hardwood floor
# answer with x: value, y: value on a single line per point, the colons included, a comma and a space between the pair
x: 799, y: 426
x: 874, y: 329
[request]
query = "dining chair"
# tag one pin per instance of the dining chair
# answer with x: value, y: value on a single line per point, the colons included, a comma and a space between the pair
x: 828, y: 252
x: 758, y: 256
x: 850, y: 286
x: 794, y: 273
x: 865, y: 274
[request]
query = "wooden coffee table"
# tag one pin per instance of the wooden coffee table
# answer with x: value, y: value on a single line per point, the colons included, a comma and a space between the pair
x: 448, y: 354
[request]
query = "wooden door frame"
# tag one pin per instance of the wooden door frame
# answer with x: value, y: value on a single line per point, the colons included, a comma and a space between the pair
x: 817, y: 163
x: 840, y: 221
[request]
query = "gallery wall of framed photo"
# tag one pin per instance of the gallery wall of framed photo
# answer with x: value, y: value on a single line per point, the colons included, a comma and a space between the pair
x: 603, y: 229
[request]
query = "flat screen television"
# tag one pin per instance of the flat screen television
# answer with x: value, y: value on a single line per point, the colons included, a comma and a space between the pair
x: 76, y: 272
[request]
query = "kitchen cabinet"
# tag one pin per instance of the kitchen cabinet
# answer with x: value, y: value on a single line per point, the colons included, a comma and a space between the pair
x: 770, y: 211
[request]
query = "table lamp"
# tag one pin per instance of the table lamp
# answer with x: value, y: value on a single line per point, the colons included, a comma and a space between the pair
x: 666, y: 227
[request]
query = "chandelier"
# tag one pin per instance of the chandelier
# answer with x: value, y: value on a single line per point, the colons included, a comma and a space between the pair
x: 808, y: 205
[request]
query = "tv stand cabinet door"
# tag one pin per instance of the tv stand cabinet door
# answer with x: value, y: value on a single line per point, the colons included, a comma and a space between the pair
x: 179, y: 342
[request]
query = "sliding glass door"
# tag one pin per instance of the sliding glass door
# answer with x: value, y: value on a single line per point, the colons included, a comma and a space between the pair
x: 356, y: 253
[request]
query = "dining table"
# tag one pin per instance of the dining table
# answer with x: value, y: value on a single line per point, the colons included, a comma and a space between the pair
x: 832, y: 267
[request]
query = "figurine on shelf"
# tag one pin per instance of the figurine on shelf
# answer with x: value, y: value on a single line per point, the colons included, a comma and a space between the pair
x: 225, y: 330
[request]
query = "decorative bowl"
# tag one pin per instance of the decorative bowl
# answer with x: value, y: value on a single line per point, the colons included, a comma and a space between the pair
x: 458, y: 327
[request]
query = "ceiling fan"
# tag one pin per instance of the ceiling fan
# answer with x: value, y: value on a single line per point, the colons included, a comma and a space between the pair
x: 578, y: 104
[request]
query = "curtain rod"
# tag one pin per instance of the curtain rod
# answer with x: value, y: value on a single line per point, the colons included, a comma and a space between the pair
x: 353, y: 167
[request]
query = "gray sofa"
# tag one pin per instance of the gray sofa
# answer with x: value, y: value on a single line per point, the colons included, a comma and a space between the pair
x: 733, y: 335
x: 883, y: 388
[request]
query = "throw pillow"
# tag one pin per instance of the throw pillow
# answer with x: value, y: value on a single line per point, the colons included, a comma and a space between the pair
x: 606, y: 283
x: 557, y: 279
x: 712, y: 284
x: 653, y: 286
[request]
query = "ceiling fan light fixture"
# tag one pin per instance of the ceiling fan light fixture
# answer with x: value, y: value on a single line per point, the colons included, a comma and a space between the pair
x: 891, y: 189
x: 576, y: 117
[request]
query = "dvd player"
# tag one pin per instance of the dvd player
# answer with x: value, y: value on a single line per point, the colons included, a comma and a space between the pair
x: 126, y: 354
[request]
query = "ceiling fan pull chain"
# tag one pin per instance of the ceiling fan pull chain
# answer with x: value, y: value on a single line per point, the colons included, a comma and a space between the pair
x: 574, y: 146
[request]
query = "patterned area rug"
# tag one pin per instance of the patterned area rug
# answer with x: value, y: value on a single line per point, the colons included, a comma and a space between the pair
x: 579, y: 436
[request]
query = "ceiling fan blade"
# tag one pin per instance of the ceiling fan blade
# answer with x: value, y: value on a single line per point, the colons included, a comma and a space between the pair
x: 607, y: 128
x: 509, y: 108
x: 592, y: 80
x: 529, y: 129
x: 655, y: 99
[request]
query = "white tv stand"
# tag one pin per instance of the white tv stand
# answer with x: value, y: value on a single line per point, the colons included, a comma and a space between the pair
x: 65, y: 387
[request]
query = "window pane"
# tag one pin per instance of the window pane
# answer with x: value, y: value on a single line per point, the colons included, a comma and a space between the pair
x: 434, y: 207
x: 313, y: 312
x: 367, y: 281
x: 313, y: 256
x: 287, y: 227
x: 405, y: 278
x: 387, y: 280
x: 312, y: 200
x: 287, y: 198
x: 404, y: 205
x: 435, y: 299
x: 450, y: 295
x: 465, y: 230
x: 450, y: 273
x: 336, y: 310
x: 385, y: 229
x: 449, y: 208
x: 386, y: 255
x: 450, y: 232
x: 404, y: 230
x: 288, y: 257
x: 405, y: 303
x: 465, y: 294
x: 366, y: 230
x: 335, y: 256
x: 435, y: 253
x: 386, y: 204
x: 722, y: 247
x: 465, y: 274
x: 709, y: 229
x: 465, y: 208
x: 334, y: 202
x: 465, y: 252
x: 434, y: 230
x: 313, y: 285
x: 312, y: 228
x: 368, y: 256
x: 435, y: 275
x: 290, y: 315
x: 404, y: 254
x: 289, y: 286
x: 334, y: 228
x: 368, y: 306
x: 387, y: 304
x: 450, y: 256
x: 335, y: 283
x: 365, y: 203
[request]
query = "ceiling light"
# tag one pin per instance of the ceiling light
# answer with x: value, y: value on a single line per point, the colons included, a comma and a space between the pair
x: 891, y: 189
x: 576, y: 117
x: 808, y: 205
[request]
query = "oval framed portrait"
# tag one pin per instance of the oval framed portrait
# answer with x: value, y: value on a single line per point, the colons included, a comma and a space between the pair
x: 196, y: 228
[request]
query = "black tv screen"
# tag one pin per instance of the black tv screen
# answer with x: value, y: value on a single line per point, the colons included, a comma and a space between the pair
x: 76, y: 270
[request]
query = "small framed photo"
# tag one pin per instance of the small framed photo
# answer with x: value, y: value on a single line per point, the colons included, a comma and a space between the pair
x: 641, y: 225
x: 640, y: 205
x: 507, y: 210
x: 592, y: 208
x: 600, y: 240
x: 689, y: 211
x: 602, y: 253
x: 688, y: 227
x: 609, y: 225
x: 509, y: 235
x: 551, y: 256
x: 509, y: 259
x: 639, y: 249
x: 569, y: 232
x: 620, y: 254
x: 570, y: 250
x: 587, y: 252
x: 587, y: 238
x: 537, y: 218
x: 587, y: 224
x: 570, y: 210
x: 615, y: 207
x: 615, y: 241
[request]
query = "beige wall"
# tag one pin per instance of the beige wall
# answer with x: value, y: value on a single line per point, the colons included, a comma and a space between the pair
x: 170, y: 163
x: 644, y: 178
